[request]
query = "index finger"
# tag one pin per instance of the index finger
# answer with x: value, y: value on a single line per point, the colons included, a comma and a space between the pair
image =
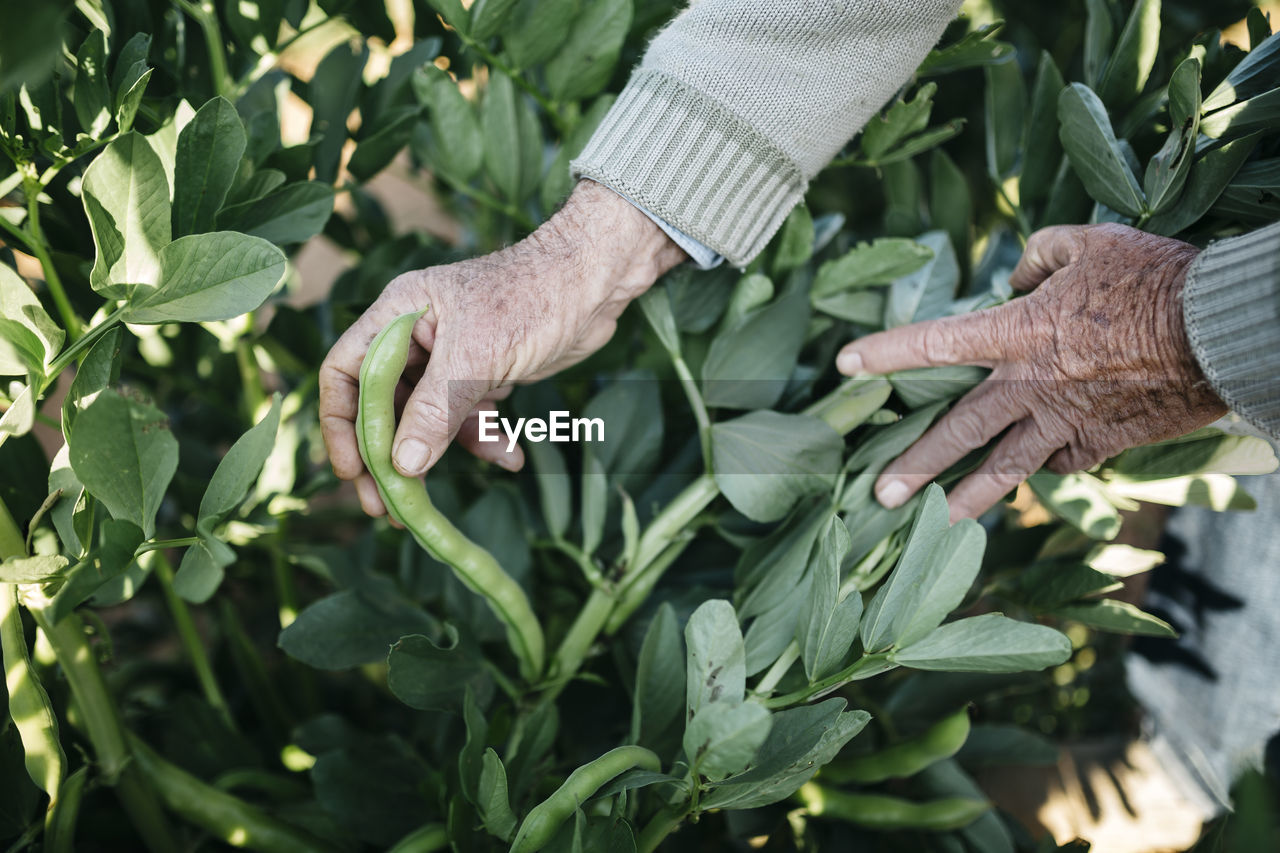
x: 340, y: 384
x: 976, y: 338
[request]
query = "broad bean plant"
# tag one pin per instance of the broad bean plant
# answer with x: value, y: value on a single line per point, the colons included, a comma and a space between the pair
x: 701, y: 633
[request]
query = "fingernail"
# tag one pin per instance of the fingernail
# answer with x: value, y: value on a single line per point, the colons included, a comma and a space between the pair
x: 411, y: 457
x: 849, y: 363
x: 893, y: 494
x: 510, y: 463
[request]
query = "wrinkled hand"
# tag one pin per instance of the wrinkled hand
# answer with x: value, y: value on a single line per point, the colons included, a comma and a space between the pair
x: 515, y: 315
x: 1095, y: 361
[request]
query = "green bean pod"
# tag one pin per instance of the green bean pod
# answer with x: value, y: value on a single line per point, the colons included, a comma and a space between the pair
x: 29, y: 704
x: 60, y: 823
x: 542, y: 822
x: 407, y: 500
x: 875, y: 811
x: 941, y: 740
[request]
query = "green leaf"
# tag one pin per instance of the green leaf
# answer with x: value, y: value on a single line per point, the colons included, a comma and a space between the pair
x: 91, y: 93
x: 988, y: 643
x: 99, y: 369
x: 751, y: 292
x: 926, y: 385
x: 20, y: 416
x: 582, y: 65
x: 372, y: 787
x: 425, y: 675
x: 129, y: 95
x: 1256, y: 73
x: 471, y: 756
x: 595, y: 495
x: 351, y: 628
x: 879, y: 262
x: 922, y: 142
x: 1079, y: 499
x: 937, y: 567
x: 1116, y: 617
x: 795, y: 241
x: 450, y: 140
x: 1095, y: 153
x: 512, y: 141
x: 208, y: 277
x: 536, y: 29
x: 208, y: 156
x: 453, y: 12
x: 111, y: 556
x: 203, y: 568
x: 29, y: 338
x: 126, y: 196
x: 1201, y: 452
x: 1258, y: 113
x: 766, y: 461
x: 950, y: 203
x: 488, y: 16
x: 660, y: 678
x: 332, y: 93
x: 553, y: 485
x: 291, y: 214
x: 1006, y: 103
x: 876, y: 449
x: 1099, y: 35
x: 1049, y: 583
x: 1006, y: 745
x: 827, y: 626
x: 749, y: 363
x: 716, y: 668
x: 1041, y: 148
x: 801, y: 740
x: 1210, y: 174
x: 926, y: 293
x: 1167, y: 170
x: 37, y: 569
x: 976, y: 48
x: 559, y: 182
x: 902, y: 119
x: 656, y: 306
x: 1134, y: 55
x: 29, y: 43
x: 123, y: 452
x: 492, y: 800
x: 722, y: 739
x: 239, y: 469
x: 770, y: 567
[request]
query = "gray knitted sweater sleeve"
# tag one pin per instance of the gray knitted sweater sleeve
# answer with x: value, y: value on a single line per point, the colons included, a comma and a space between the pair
x: 1231, y: 306
x: 737, y: 104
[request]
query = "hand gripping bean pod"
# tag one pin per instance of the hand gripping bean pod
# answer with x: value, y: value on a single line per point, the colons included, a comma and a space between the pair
x: 941, y: 740
x: 541, y: 824
x: 406, y: 499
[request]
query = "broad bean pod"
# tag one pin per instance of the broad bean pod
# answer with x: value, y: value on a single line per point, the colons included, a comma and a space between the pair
x: 876, y: 811
x: 407, y: 500
x: 941, y: 740
x: 542, y: 822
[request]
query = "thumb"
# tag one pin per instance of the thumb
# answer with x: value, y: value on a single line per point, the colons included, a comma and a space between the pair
x: 435, y: 410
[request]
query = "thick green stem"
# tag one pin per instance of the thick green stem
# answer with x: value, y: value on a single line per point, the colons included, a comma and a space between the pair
x: 861, y: 668
x: 190, y: 639
x: 780, y: 668
x: 80, y: 345
x: 573, y: 649
x: 161, y: 544
x: 658, y: 828
x: 33, y: 189
x: 105, y: 731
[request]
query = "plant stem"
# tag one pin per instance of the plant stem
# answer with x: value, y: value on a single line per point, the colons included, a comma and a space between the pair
x: 190, y: 638
x: 658, y: 828
x: 859, y: 668
x: 33, y: 188
x: 780, y: 667
x: 161, y: 544
x: 690, y: 386
x: 508, y: 210
x: 207, y: 17
x: 105, y: 731
x: 493, y: 61
x: 250, y: 379
x: 582, y: 633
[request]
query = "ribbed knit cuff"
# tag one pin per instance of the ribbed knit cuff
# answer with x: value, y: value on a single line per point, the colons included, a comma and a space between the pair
x: 1231, y: 306
x: 682, y: 155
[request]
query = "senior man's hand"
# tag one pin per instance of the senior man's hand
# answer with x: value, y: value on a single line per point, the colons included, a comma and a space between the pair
x: 1095, y: 361
x: 515, y: 315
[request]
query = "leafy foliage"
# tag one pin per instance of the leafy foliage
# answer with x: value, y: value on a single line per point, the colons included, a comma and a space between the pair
x: 720, y: 585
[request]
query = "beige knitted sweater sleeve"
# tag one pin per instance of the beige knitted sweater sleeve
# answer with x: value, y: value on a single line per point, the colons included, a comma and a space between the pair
x: 737, y: 104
